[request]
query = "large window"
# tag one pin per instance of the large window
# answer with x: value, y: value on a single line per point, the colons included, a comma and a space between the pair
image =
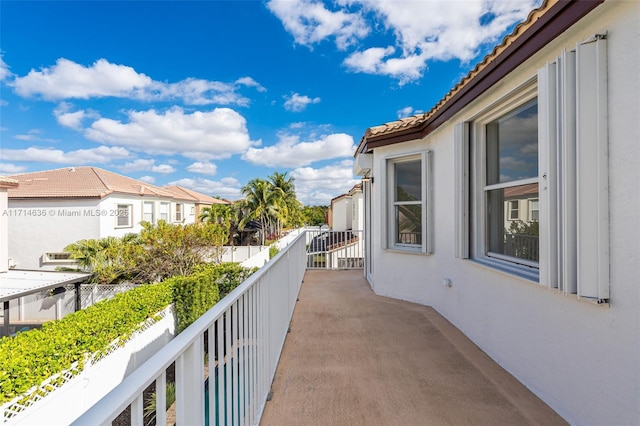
x: 511, y: 165
x: 408, y: 206
x: 531, y: 177
x: 179, y: 212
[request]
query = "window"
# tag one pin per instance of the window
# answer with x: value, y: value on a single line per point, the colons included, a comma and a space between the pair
x: 534, y: 210
x: 511, y: 164
x: 123, y: 215
x: 164, y: 211
x: 513, y: 209
x: 532, y: 177
x: 178, y: 212
x: 57, y: 257
x: 408, y: 217
x: 148, y: 211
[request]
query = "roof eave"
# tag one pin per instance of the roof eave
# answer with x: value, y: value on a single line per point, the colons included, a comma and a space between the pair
x: 560, y: 16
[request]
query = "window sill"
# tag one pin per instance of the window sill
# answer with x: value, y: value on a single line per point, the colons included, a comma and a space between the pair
x: 521, y: 271
x: 398, y: 250
x: 532, y: 276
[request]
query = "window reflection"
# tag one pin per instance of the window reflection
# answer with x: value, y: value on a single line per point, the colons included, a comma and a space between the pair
x: 509, y: 236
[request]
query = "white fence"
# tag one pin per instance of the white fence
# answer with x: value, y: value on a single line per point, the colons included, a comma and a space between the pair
x: 65, y: 396
x: 327, y: 249
x: 225, y: 361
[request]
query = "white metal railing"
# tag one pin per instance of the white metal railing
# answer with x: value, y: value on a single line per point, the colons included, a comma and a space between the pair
x: 328, y: 249
x: 238, y: 342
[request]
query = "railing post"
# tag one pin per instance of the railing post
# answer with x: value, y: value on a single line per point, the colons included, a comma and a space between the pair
x: 190, y: 385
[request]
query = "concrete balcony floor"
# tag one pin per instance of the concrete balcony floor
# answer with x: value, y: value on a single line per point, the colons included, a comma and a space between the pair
x: 354, y: 358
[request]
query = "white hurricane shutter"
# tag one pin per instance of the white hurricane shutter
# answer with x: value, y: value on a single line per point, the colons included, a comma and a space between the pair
x: 592, y: 170
x: 461, y: 182
x: 548, y: 173
x: 567, y: 247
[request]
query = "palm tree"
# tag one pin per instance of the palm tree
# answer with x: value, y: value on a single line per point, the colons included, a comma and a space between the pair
x: 287, y: 204
x: 260, y: 204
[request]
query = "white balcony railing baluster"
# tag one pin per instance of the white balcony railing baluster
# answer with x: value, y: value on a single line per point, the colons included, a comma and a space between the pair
x: 246, y: 332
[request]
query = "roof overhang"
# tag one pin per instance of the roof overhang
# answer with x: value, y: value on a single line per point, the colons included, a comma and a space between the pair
x: 558, y: 18
x: 362, y: 164
x: 17, y: 283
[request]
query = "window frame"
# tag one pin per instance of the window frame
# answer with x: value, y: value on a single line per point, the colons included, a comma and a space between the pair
x: 153, y: 211
x: 425, y: 247
x: 478, y: 188
x: 513, y: 210
x: 167, y: 213
x: 129, y: 208
x: 178, y: 212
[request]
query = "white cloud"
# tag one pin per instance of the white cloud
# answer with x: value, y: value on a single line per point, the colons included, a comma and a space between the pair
x: 146, y: 165
x: 297, y: 102
x: 216, y: 134
x: 369, y: 60
x: 65, y: 117
x: 408, y: 112
x: 250, y: 82
x: 101, y: 154
x: 11, y: 169
x: 311, y: 22
x: 422, y: 30
x: 4, y: 70
x: 228, y: 188
x: 203, y: 168
x: 290, y: 152
x: 33, y: 135
x: 67, y: 79
x: 148, y: 179
x: 319, y: 186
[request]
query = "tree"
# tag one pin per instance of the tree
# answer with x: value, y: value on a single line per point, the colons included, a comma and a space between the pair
x: 172, y: 250
x: 110, y: 259
x: 260, y: 204
x: 158, y: 252
x: 314, y: 215
x: 288, y: 207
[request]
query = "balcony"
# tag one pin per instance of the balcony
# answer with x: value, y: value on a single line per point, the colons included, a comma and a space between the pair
x: 327, y: 351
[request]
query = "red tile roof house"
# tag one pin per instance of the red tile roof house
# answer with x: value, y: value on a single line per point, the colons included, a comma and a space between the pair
x: 555, y: 106
x: 53, y: 208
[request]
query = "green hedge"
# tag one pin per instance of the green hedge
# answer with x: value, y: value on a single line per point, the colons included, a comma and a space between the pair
x: 196, y: 294
x: 33, y: 356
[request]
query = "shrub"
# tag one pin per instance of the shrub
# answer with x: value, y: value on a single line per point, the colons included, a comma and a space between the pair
x: 33, y: 356
x: 273, y: 251
x: 193, y: 295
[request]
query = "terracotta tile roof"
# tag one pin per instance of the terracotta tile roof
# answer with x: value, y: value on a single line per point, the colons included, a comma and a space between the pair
x: 490, y: 62
x: 196, y: 196
x: 8, y: 183
x: 82, y: 182
x: 521, y: 191
x: 416, y: 120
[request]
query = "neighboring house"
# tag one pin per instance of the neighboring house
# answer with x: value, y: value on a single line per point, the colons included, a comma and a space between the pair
x: 347, y: 210
x: 53, y: 208
x: 17, y: 287
x: 201, y: 200
x: 5, y: 185
x: 545, y: 129
x: 343, y: 242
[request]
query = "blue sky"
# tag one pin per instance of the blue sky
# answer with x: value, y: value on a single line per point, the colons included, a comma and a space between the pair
x: 210, y: 94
